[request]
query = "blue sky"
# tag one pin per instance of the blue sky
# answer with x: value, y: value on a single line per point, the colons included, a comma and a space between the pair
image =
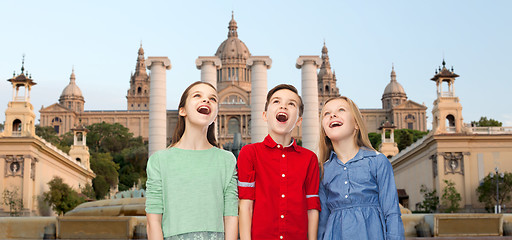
x: 101, y: 38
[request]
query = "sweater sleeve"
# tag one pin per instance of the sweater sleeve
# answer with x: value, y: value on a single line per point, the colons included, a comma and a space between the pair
x: 154, y: 198
x: 231, y: 190
x: 388, y: 198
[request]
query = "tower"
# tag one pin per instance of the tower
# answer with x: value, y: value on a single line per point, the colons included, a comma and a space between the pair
x: 233, y: 54
x: 71, y: 96
x: 447, y: 110
x: 19, y: 116
x: 79, y: 150
x: 138, y: 94
x: 326, y: 79
x: 388, y: 146
x: 394, y: 93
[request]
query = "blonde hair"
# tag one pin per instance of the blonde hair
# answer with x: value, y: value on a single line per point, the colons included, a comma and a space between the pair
x: 361, y: 136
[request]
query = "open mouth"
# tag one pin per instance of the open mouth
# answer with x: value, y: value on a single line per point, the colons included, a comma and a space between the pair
x: 204, y: 110
x: 282, y: 117
x: 335, y: 124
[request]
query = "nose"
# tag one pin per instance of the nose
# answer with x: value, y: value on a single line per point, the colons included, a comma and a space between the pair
x: 333, y: 115
x: 206, y: 100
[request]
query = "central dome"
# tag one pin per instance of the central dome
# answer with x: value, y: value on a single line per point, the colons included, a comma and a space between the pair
x: 233, y: 47
x: 71, y: 90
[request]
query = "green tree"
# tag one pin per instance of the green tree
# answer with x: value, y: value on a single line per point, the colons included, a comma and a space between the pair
x: 375, y: 139
x: 61, y: 197
x: 484, y: 122
x: 1, y: 126
x: 410, y: 137
x: 104, y: 137
x: 430, y: 200
x: 88, y: 191
x: 106, y: 173
x: 48, y: 134
x: 487, y: 190
x: 451, y: 197
x: 12, y: 198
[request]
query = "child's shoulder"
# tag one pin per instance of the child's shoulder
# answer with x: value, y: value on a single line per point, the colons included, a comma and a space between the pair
x: 375, y: 156
x: 223, y: 153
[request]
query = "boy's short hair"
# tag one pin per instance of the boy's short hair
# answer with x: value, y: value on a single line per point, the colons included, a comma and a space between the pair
x: 286, y: 87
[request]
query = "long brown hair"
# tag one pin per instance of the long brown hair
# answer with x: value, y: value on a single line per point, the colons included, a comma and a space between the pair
x: 361, y: 137
x: 180, y: 126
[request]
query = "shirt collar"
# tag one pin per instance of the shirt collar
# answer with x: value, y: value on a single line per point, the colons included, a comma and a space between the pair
x: 269, y: 142
x: 362, y: 153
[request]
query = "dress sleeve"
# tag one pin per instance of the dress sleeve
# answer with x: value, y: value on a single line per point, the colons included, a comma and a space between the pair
x: 231, y: 191
x: 312, y: 181
x: 324, y: 214
x: 388, y: 198
x: 246, y: 173
x: 154, y: 194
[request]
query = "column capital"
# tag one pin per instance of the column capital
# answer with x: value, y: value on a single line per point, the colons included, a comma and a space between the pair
x: 309, y: 58
x: 200, y: 61
x: 163, y: 60
x: 266, y: 60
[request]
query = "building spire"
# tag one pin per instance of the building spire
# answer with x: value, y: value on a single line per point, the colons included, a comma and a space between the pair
x: 325, y: 58
x: 23, y: 64
x: 232, y: 26
x: 140, y: 68
x: 72, y: 77
x: 393, y: 74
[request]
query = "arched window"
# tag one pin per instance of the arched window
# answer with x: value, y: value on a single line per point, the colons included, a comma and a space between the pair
x: 56, y: 122
x: 79, y: 137
x: 326, y: 88
x: 233, y: 125
x: 78, y: 160
x: 450, y: 123
x: 16, y: 126
x: 139, y: 90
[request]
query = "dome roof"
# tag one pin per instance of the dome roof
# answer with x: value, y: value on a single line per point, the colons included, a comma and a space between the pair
x: 393, y: 88
x: 233, y: 47
x: 71, y: 90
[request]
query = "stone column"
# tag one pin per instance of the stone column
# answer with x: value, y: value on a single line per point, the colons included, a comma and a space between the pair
x: 310, y: 122
x: 157, y: 103
x: 258, y: 66
x: 208, y: 67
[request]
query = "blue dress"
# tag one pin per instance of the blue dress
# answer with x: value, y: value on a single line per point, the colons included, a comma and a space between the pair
x: 359, y: 199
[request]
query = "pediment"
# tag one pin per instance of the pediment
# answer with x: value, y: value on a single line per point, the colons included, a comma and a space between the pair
x: 56, y: 107
x: 409, y: 104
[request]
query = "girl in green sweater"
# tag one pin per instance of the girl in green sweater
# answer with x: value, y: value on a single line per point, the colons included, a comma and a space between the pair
x: 192, y: 185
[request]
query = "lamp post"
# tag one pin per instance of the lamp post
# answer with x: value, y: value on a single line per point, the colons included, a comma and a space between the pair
x: 498, y: 175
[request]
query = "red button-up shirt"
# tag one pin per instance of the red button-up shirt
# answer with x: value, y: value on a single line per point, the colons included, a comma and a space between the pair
x: 283, y: 182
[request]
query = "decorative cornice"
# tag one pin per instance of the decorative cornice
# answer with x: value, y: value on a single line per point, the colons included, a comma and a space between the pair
x: 316, y: 60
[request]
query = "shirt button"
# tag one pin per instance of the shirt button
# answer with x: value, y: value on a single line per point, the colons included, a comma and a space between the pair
x: 281, y: 237
x: 282, y: 216
x: 278, y: 146
x: 346, y: 182
x: 282, y: 196
x: 282, y: 155
x: 283, y: 175
x: 345, y: 168
x: 346, y: 196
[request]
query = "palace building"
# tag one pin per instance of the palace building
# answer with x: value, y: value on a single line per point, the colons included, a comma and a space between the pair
x: 28, y: 162
x: 233, y: 73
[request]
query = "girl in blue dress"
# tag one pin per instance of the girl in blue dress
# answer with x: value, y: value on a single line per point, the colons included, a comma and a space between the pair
x: 357, y: 191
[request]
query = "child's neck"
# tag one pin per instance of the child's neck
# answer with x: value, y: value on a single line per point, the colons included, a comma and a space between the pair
x: 194, y: 138
x: 284, y: 140
x: 345, y: 149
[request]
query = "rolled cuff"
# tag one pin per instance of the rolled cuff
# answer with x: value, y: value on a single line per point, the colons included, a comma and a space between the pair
x: 246, y: 193
x: 313, y: 202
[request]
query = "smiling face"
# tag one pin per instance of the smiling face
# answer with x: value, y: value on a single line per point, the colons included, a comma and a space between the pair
x: 201, y: 106
x: 282, y: 114
x: 338, y: 122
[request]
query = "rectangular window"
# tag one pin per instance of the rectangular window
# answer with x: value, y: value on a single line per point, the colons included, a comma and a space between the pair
x: 409, y: 125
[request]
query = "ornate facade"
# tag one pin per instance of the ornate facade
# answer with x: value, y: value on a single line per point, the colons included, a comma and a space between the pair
x: 452, y: 151
x: 28, y: 162
x: 234, y: 86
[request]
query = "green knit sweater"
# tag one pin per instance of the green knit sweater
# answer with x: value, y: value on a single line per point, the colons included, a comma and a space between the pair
x: 193, y: 189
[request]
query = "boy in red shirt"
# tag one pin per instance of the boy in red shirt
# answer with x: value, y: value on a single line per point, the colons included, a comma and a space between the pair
x: 277, y: 179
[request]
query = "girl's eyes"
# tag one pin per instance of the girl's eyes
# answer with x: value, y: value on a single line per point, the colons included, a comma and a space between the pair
x: 341, y: 109
x: 213, y: 99
x: 327, y: 114
x: 197, y: 95
x: 275, y: 101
